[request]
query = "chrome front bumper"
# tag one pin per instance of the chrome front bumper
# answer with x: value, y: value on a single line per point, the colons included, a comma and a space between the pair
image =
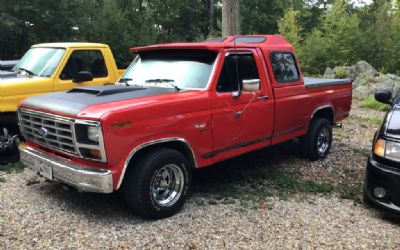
x: 78, y: 176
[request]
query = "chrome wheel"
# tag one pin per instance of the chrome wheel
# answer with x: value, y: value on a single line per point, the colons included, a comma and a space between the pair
x: 167, y: 185
x: 323, y: 140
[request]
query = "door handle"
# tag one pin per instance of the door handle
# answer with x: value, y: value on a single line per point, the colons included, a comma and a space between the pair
x: 263, y: 97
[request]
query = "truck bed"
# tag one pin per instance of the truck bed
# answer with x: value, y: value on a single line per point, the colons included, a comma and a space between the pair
x: 311, y: 82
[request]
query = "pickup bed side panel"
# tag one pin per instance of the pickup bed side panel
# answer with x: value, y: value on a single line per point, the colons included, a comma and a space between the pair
x: 338, y: 97
x: 307, y: 101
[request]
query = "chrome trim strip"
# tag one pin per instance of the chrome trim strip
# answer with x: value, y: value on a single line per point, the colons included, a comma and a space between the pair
x: 324, y: 107
x: 288, y: 131
x: 78, y: 176
x: 150, y: 143
x: 240, y: 145
x: 89, y: 146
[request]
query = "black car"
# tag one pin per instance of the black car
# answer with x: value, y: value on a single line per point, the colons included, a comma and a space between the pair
x: 382, y: 182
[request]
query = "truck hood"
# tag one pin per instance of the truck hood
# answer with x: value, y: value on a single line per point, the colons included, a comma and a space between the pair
x: 20, y: 84
x: 74, y: 101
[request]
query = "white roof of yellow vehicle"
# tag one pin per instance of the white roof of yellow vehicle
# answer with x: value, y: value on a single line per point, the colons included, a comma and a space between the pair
x: 70, y: 45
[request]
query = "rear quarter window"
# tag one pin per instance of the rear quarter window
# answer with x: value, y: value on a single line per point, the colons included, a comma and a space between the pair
x: 284, y: 67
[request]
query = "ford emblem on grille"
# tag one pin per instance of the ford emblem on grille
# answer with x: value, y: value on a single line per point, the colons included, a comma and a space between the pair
x: 43, y: 132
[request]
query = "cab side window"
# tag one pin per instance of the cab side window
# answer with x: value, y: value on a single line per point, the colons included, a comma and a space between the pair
x: 84, y: 60
x: 237, y: 67
x: 284, y: 67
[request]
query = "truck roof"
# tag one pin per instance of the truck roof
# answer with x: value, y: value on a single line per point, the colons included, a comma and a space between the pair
x: 219, y: 43
x: 70, y: 45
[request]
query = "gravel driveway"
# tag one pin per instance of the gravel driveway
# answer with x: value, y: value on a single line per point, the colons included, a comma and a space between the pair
x: 225, y: 211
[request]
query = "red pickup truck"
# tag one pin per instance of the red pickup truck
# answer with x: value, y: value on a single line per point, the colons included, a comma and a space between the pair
x: 180, y: 106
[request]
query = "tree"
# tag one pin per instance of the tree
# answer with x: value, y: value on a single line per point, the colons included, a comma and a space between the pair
x: 289, y: 28
x: 335, y: 42
x: 230, y: 17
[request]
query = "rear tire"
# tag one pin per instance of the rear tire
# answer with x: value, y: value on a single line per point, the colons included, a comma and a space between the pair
x: 317, y: 142
x: 158, y: 184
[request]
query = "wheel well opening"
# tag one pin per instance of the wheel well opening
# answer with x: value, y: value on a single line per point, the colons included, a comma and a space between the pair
x: 179, y: 146
x: 326, y: 113
x: 9, y: 120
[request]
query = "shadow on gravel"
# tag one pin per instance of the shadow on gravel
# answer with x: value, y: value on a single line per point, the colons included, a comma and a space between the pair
x: 255, y: 177
x: 250, y: 180
x: 109, y: 208
x: 386, y: 215
x: 221, y: 180
x: 245, y: 168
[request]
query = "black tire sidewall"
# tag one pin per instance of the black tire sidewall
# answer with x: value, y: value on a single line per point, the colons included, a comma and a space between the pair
x: 143, y: 178
x: 312, y: 138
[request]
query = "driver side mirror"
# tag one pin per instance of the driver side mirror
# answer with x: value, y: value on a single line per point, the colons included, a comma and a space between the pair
x: 384, y: 96
x: 251, y: 85
x: 83, y: 76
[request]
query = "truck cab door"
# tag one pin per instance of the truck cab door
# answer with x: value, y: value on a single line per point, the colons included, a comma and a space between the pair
x: 80, y: 65
x: 242, y: 118
x: 292, y: 101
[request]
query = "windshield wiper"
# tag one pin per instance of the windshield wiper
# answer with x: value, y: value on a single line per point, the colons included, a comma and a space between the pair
x: 27, y: 71
x: 167, y: 81
x: 125, y: 80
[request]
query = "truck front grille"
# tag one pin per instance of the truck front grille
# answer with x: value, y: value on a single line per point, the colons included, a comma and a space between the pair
x: 48, y: 130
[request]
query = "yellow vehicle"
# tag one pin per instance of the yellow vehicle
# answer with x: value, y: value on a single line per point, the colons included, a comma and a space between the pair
x: 48, y: 68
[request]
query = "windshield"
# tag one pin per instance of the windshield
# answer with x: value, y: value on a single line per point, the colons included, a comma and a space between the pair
x: 172, y: 69
x: 39, y: 61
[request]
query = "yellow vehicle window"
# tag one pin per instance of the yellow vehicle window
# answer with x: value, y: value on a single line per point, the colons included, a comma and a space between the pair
x: 39, y: 61
x: 84, y: 60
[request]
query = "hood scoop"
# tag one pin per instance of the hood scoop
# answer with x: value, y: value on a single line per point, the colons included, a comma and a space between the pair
x: 105, y: 90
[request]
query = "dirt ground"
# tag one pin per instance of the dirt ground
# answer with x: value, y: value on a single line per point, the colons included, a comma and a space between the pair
x: 269, y: 199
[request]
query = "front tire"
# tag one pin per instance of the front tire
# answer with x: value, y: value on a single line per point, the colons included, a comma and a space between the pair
x: 158, y: 184
x: 317, y: 142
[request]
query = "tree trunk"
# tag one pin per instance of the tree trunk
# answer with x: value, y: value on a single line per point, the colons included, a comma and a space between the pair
x: 230, y: 17
x: 211, y: 17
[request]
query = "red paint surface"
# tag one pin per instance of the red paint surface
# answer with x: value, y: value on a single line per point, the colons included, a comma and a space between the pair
x: 285, y: 115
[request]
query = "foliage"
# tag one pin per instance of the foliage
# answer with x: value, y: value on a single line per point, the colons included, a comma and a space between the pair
x: 340, y: 72
x: 290, y: 29
x: 324, y: 32
x: 371, y: 103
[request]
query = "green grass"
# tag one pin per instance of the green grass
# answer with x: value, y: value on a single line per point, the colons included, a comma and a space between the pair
x: 364, y: 121
x: 371, y: 103
x: 256, y: 185
x: 361, y: 151
x: 375, y: 121
x: 351, y: 191
x: 12, y: 167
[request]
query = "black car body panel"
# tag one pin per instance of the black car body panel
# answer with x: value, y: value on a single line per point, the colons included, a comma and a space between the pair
x: 381, y: 175
x: 382, y: 172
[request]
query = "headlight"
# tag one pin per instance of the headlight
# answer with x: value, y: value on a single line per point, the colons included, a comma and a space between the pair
x: 93, y: 133
x: 89, y: 140
x: 387, y: 149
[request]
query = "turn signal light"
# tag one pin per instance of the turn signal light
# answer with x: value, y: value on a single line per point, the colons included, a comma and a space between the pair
x: 379, y: 148
x: 95, y: 153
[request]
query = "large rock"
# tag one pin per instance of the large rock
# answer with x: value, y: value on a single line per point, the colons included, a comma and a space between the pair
x: 362, y: 69
x: 366, y: 79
